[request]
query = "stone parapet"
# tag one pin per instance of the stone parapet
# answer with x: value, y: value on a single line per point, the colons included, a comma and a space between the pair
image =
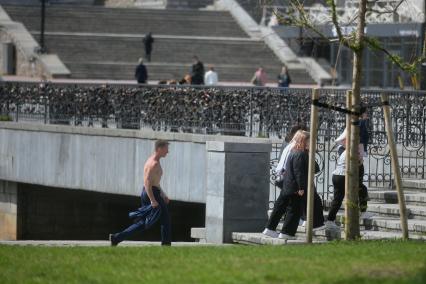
x: 237, y: 190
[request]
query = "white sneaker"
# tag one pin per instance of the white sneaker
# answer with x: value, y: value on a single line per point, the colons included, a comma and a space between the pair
x: 366, y: 215
x: 331, y: 225
x: 270, y: 233
x: 286, y: 237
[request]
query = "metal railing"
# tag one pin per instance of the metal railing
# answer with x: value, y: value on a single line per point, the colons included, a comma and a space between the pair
x: 243, y: 111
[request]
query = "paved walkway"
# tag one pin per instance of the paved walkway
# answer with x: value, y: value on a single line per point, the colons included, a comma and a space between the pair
x: 150, y: 82
x: 99, y: 243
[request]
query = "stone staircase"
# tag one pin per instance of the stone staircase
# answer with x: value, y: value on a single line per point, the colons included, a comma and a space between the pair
x: 385, y: 224
x: 105, y: 43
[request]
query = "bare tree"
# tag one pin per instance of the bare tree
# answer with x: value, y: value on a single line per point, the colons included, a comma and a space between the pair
x: 356, y: 41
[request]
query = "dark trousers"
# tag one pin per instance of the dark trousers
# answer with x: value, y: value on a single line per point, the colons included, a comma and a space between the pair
x: 148, y: 55
x: 280, y: 207
x: 292, y: 216
x: 339, y: 195
x: 146, y: 223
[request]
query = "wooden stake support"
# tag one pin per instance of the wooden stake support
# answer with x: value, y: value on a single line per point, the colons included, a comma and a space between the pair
x: 395, y: 166
x: 311, y: 174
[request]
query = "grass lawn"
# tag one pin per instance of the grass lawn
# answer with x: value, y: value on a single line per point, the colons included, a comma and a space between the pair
x: 338, y: 262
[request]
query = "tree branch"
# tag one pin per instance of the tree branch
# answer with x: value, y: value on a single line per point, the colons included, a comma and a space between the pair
x: 411, y: 68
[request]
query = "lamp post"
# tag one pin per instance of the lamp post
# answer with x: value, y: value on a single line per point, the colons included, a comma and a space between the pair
x: 423, y: 53
x: 43, y: 16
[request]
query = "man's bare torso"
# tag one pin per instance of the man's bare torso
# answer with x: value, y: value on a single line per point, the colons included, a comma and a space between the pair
x: 152, y: 171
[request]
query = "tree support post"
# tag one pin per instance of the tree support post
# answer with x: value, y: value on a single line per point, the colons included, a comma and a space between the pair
x: 311, y: 173
x: 395, y: 166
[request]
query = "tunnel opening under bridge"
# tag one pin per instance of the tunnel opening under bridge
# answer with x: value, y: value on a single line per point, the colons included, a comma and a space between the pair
x: 47, y: 213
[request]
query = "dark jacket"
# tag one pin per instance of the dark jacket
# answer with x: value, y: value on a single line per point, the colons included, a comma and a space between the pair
x: 284, y: 80
x: 148, y: 40
x: 296, y: 175
x: 363, y: 133
x: 197, y: 73
x: 141, y: 74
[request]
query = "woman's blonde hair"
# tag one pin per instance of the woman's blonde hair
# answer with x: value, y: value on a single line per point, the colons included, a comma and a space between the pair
x: 300, y: 140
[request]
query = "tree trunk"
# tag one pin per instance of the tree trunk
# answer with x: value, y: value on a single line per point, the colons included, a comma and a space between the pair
x: 351, y: 205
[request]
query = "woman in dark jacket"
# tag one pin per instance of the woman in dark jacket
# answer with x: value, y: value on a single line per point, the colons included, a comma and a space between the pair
x: 292, y: 196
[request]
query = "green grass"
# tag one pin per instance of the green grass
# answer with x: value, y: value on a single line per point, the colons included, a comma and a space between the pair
x: 339, y: 262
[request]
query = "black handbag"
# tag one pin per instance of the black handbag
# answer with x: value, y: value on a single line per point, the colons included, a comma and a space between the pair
x: 279, y: 181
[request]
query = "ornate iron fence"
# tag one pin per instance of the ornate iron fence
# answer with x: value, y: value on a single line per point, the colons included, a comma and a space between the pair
x: 244, y: 111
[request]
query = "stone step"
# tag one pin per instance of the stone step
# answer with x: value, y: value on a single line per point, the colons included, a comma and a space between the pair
x: 122, y: 20
x: 125, y: 71
x: 232, y: 73
x: 199, y: 234
x: 168, y: 50
x: 260, y: 239
x: 415, y: 185
x: 413, y: 211
x: 391, y: 197
x: 390, y: 209
x: 85, y: 54
x: 188, y: 4
x: 380, y: 223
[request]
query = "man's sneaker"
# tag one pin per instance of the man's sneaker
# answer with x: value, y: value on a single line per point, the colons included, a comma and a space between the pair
x: 331, y: 225
x: 270, y: 233
x: 112, y: 240
x: 286, y: 237
x: 366, y: 215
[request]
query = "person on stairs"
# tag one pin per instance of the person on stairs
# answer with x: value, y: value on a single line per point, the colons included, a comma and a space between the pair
x: 338, y: 180
x: 295, y: 181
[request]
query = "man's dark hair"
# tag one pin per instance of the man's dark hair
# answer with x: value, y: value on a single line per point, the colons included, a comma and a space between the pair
x: 293, y: 131
x: 161, y: 144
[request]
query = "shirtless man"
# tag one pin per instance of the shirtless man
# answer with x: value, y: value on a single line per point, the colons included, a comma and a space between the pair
x: 152, y: 172
x: 154, y: 200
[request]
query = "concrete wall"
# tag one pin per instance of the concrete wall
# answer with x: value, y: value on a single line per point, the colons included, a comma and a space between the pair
x: 103, y: 160
x: 8, y: 210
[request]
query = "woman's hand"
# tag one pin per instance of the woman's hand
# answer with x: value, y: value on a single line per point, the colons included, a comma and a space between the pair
x: 300, y: 192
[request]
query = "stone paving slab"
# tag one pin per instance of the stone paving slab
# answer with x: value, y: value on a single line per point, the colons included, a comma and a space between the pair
x: 54, y: 243
x: 260, y: 239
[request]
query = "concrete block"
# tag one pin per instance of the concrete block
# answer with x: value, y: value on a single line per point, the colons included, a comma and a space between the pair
x: 198, y: 233
x: 220, y: 146
x: 237, y: 189
x: 8, y: 226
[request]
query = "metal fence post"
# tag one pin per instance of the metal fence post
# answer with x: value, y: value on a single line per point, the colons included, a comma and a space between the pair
x: 45, y: 109
x: 251, y: 114
x: 17, y: 112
